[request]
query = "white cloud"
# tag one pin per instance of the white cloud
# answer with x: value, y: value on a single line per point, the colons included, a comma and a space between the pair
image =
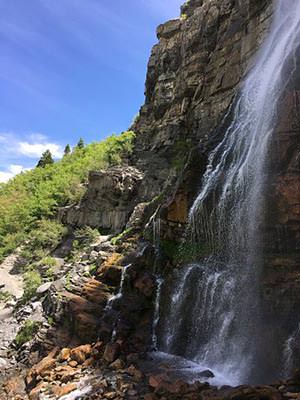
x: 30, y: 145
x: 34, y: 150
x: 11, y: 171
x: 17, y: 153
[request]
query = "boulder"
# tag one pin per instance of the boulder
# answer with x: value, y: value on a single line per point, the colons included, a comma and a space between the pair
x: 60, y: 391
x: 64, y: 355
x: 44, y: 288
x: 206, y: 374
x: 111, y: 352
x: 81, y: 353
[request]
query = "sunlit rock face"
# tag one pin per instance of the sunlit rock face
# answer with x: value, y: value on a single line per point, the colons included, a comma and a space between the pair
x: 109, y: 201
x: 194, y: 73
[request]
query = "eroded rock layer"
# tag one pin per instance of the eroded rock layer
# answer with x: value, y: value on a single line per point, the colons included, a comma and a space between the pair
x: 194, y: 73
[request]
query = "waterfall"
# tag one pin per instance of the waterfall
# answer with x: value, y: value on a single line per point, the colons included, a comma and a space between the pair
x: 159, y: 283
x: 214, y: 310
x: 117, y: 297
x: 290, y: 349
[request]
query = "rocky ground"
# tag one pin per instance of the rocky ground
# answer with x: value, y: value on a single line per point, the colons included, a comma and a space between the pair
x: 66, y: 360
x: 12, y: 287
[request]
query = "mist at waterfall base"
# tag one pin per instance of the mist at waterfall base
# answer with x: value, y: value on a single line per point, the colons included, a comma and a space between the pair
x: 212, y: 317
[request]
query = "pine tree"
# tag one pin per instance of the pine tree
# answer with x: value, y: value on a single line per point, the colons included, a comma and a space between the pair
x: 46, y: 159
x: 67, y: 150
x: 80, y: 144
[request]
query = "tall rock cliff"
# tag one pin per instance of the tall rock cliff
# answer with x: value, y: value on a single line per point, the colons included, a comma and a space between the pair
x: 194, y: 74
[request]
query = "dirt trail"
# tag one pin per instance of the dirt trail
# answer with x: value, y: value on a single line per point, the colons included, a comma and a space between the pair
x: 13, y: 283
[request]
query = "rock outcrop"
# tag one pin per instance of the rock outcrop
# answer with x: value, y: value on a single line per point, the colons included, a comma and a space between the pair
x: 109, y: 201
x: 193, y: 77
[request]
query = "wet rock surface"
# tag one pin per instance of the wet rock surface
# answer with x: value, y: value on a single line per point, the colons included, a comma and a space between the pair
x: 97, y: 320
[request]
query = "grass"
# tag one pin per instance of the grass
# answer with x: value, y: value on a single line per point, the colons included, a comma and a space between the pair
x: 27, y: 332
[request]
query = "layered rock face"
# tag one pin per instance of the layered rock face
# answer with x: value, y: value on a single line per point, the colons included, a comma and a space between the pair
x: 194, y: 73
x: 108, y: 202
x: 281, y: 245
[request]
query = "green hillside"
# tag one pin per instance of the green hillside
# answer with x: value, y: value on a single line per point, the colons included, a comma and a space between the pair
x: 34, y: 196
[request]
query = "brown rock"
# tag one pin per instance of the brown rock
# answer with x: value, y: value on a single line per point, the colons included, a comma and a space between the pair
x: 44, y: 367
x: 136, y: 373
x: 150, y: 396
x: 156, y: 381
x: 96, y: 292
x: 73, y: 364
x: 14, y: 386
x: 145, y: 284
x: 110, y: 395
x: 35, y: 393
x: 117, y: 364
x: 177, y: 387
x: 132, y: 358
x: 64, y: 354
x: 178, y: 209
x: 90, y: 361
x: 60, y: 391
x: 81, y: 353
x: 65, y: 373
x: 110, y: 274
x: 112, y: 351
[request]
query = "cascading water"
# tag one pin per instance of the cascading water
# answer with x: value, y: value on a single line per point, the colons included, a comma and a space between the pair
x: 117, y: 297
x: 290, y: 350
x: 214, y: 311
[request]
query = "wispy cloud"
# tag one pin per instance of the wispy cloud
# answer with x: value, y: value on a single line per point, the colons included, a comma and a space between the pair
x: 20, y: 153
x: 10, y: 172
x: 34, y: 150
x: 33, y: 147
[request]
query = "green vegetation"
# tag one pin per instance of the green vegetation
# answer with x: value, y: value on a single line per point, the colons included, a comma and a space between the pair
x: 80, y: 144
x: 93, y: 269
x: 183, y: 253
x: 44, y: 237
x: 86, y: 235
x: 67, y: 150
x: 27, y: 332
x: 5, y: 296
x: 32, y: 280
x: 118, y: 239
x: 83, y: 238
x: 30, y: 201
x: 181, y: 150
x: 183, y: 16
x: 45, y: 160
x: 48, y: 261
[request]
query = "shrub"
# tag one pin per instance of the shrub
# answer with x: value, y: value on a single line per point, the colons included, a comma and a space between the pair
x: 46, y: 234
x: 32, y: 280
x: 48, y: 262
x: 86, y: 235
x: 119, y: 238
x: 183, y: 16
x: 27, y: 332
x: 5, y: 296
x: 31, y: 199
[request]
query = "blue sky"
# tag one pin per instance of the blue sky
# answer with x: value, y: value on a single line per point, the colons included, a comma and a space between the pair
x: 71, y: 68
